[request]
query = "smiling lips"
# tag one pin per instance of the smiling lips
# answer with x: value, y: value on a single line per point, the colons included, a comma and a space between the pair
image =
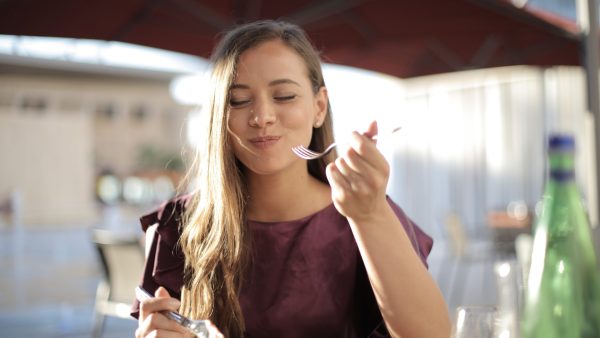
x: 264, y: 142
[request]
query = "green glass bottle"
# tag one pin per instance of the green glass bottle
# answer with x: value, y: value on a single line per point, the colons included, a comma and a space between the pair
x: 562, y: 299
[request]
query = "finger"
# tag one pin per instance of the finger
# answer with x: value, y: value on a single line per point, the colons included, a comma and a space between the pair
x: 162, y: 302
x: 153, y: 305
x: 337, y: 181
x: 372, y: 130
x: 161, y: 292
x: 367, y: 150
x: 159, y: 322
x: 357, y: 163
x: 213, y: 331
x: 376, y: 177
x: 362, y: 143
x: 363, y: 182
x: 164, y: 334
x: 343, y: 167
x: 354, y: 179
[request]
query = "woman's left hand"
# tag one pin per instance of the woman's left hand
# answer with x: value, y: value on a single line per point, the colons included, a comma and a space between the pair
x: 359, y: 177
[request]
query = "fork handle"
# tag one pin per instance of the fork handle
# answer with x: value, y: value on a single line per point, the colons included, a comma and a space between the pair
x: 386, y: 133
x: 142, y: 294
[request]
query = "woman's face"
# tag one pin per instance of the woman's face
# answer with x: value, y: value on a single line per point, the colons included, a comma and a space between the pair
x: 272, y: 107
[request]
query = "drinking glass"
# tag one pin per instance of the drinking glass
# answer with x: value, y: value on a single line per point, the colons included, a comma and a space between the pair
x: 475, y: 322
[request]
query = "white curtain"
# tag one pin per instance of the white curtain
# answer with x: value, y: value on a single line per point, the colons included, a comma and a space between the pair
x: 475, y: 141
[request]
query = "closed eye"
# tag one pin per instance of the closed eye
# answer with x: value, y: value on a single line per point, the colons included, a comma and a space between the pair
x: 285, y: 98
x: 238, y: 103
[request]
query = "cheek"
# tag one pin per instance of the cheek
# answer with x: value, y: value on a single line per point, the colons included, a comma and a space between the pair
x: 236, y: 125
x: 237, y: 149
x: 301, y: 116
x: 236, y: 122
x: 235, y: 132
x: 300, y: 120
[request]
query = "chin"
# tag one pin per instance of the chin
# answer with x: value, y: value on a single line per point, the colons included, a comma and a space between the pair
x: 266, y: 166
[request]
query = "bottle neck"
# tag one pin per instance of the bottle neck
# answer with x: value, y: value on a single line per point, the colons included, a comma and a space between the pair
x: 562, y: 166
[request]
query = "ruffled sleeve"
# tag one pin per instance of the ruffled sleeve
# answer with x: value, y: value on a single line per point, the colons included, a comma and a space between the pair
x: 165, y: 261
x: 421, y: 242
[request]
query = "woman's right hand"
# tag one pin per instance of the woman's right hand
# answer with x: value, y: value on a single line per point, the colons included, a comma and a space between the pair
x: 152, y: 323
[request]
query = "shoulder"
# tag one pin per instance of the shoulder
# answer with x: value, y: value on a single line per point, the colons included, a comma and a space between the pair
x: 168, y: 216
x: 165, y: 259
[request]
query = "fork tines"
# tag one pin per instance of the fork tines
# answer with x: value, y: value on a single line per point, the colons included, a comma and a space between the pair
x: 305, y: 153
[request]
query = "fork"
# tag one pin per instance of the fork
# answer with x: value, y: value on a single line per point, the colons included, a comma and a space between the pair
x: 307, y: 154
x: 197, y: 327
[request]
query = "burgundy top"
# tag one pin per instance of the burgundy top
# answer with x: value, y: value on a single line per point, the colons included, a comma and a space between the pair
x: 307, y: 278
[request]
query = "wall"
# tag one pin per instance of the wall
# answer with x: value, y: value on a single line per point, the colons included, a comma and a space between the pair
x: 57, y: 134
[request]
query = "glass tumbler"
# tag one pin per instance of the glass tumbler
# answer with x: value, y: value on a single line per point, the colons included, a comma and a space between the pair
x: 475, y: 322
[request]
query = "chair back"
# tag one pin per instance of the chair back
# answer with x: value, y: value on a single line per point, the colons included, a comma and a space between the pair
x: 122, y: 258
x: 456, y: 234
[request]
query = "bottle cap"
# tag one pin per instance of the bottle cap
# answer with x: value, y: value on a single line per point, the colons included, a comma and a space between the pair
x: 562, y: 142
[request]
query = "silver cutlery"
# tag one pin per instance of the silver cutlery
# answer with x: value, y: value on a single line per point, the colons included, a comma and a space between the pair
x: 197, y: 327
x: 307, y: 154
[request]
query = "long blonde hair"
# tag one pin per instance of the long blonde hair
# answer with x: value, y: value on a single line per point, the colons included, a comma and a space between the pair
x: 214, y: 239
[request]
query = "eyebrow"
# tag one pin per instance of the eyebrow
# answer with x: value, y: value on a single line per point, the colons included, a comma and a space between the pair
x: 272, y: 83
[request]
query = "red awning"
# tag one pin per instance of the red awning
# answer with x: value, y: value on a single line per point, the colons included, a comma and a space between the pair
x: 401, y: 38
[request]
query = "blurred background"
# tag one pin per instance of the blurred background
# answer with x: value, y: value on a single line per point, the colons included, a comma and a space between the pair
x: 98, y: 110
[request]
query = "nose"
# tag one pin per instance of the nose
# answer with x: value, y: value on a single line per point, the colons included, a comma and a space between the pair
x: 262, y: 114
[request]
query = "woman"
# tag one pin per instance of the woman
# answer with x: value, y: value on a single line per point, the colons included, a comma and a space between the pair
x: 276, y: 246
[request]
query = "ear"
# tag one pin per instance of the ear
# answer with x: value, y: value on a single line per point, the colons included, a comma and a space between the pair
x: 321, y: 104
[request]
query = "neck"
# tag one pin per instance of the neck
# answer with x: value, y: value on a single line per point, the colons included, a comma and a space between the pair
x: 272, y: 196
